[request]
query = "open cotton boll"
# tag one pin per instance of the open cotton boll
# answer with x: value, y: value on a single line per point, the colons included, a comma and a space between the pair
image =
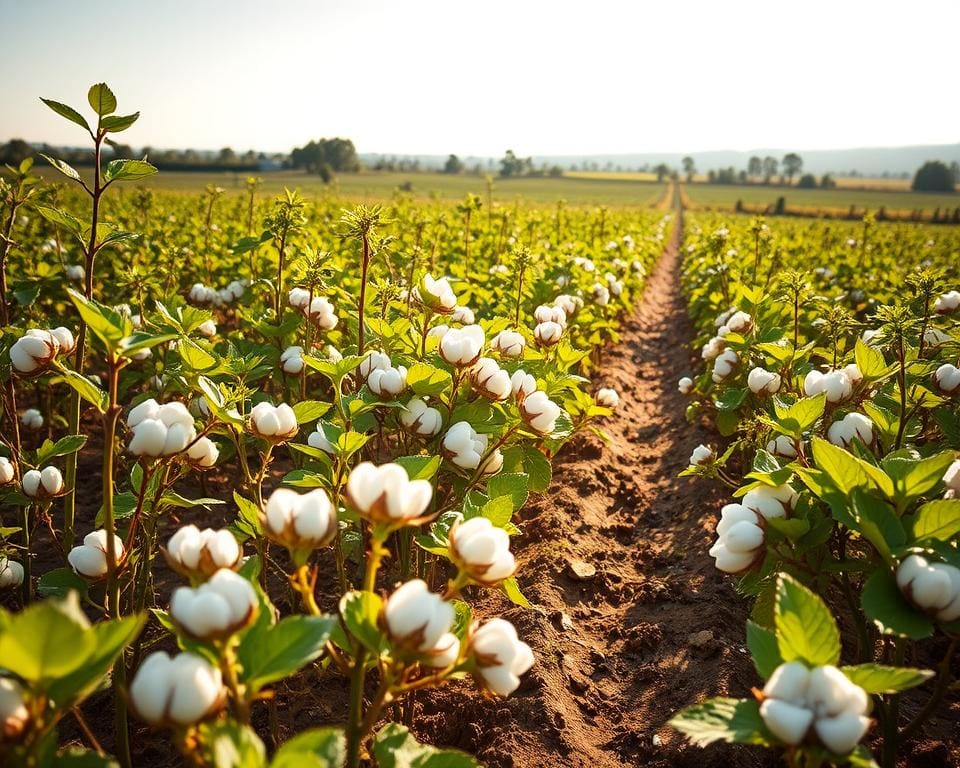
x: 569, y: 304
x: 462, y: 346
x: 500, y: 657
x: 548, y: 333
x: 933, y: 587
x: 784, y: 446
x: 34, y: 351
x: 417, y: 618
x: 75, y: 273
x: 739, y: 322
x: 601, y: 294
x: 11, y: 575
x: 14, y: 714
x: 712, y: 349
x: 298, y: 298
x: 768, y: 501
x: 300, y: 521
x: 386, y: 494
x: 291, y: 360
x: 387, y: 382
x: 41, y: 484
x: 482, y: 550
x: 90, y: 558
x: 208, y: 328
x: 508, y: 344
x: 947, y: 303
x: 702, y: 455
x: 195, y: 552
x: 273, y: 423
x: 318, y: 439
x: 463, y: 315
x: 463, y: 446
x: 540, y: 413
x: 739, y: 539
x: 8, y: 471
x: 203, y: 453
x: 724, y: 365
x: 788, y: 722
x: 148, y: 409
x: 522, y: 384
x: 835, y: 383
x: 547, y: 314
x: 490, y: 380
x: 435, y: 294
x: 947, y: 378
x: 607, y: 397
x: 951, y: 478
x: 65, y: 340
x: 31, y: 419
x: 322, y: 313
x: 763, y: 381
x: 419, y: 418
x: 853, y: 373
x: 685, y: 385
x: 374, y: 361
x: 852, y: 426
x: 216, y: 609
x: 444, y: 653
x: 180, y: 691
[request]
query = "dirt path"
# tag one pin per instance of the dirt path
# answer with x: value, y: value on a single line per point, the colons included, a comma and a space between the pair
x: 656, y: 627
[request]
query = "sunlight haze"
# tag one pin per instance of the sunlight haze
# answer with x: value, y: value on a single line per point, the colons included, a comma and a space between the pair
x: 544, y: 78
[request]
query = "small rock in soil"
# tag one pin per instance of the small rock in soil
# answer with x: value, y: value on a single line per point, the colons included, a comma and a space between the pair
x: 580, y: 570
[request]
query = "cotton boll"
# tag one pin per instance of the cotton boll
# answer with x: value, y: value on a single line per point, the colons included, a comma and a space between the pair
x: 852, y: 426
x: 419, y: 418
x: 462, y: 346
x: 685, y: 385
x: 770, y: 502
x: 762, y: 381
x: 31, y: 419
x: 702, y: 455
x: 947, y: 379
x: 416, y: 618
x: 947, y: 303
x: 500, y: 657
x: 490, y: 380
x: 724, y: 365
x: 385, y: 494
x: 508, y: 344
x: 179, y: 691
x: 784, y: 446
x: 482, y: 550
x: 540, y: 413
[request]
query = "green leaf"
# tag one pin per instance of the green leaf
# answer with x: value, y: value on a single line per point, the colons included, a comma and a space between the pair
x: 79, y: 757
x: 231, y: 745
x: 512, y: 484
x: 310, y: 410
x: 878, y: 523
x: 511, y: 589
x: 68, y: 112
x: 538, y: 467
x: 268, y: 654
x: 105, y: 323
x: 936, y: 520
x: 806, y: 629
x: 62, y: 219
x: 86, y: 389
x: 128, y: 170
x: 67, y: 170
x: 102, y: 100
x: 881, y: 680
x: 248, y: 515
x: 117, y: 123
x: 359, y: 611
x: 734, y: 721
x: 846, y: 471
x: 63, y: 447
x: 420, y: 467
x: 315, y: 748
x: 870, y: 361
x: 395, y: 747
x: 60, y: 581
x: 793, y: 420
x: 764, y: 649
x: 885, y: 605
x: 426, y: 379
x: 914, y: 479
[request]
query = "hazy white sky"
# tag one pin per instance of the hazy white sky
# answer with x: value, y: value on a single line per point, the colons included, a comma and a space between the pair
x: 438, y: 76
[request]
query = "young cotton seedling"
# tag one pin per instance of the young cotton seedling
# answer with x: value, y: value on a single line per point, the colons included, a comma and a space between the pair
x: 176, y: 692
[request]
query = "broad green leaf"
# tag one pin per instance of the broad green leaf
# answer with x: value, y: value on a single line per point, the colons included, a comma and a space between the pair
x: 86, y: 389
x: 310, y: 410
x: 63, y: 447
x: 885, y: 605
x: 106, y: 324
x: 420, y: 467
x: 101, y: 99
x: 60, y: 581
x: 231, y: 745
x: 118, y: 123
x: 68, y: 112
x: 426, y: 379
x: 936, y: 520
x: 880, y: 679
x: 62, y: 219
x: 315, y: 748
x: 878, y: 523
x: 870, y: 361
x: 66, y: 169
x: 395, y: 747
x: 795, y: 419
x: 764, y: 649
x: 511, y: 589
x: 806, y: 630
x: 846, y: 471
x: 512, y: 484
x: 272, y: 653
x: 734, y: 721
x: 359, y: 611
x: 128, y: 170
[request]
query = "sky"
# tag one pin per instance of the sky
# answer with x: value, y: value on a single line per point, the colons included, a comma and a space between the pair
x: 441, y: 76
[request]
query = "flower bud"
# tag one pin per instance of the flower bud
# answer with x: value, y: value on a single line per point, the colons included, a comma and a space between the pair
x: 462, y: 346
x: 385, y: 494
x: 490, y: 380
x: 300, y: 521
x: 193, y: 552
x: 216, y: 609
x: 14, y: 715
x: 31, y: 418
x: 762, y: 381
x: 420, y: 419
x: 508, y: 344
x: 90, y: 558
x: 416, y: 618
x: 273, y: 423
x: 482, y: 550
x: 947, y: 378
x: 7, y: 471
x: 540, y: 412
x: 435, y: 295
x: 608, y: 398
x: 42, y: 484
x: 500, y: 657
x: 180, y: 691
x: 11, y: 573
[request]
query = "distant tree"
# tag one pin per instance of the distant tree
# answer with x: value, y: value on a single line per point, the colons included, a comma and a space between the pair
x: 828, y: 182
x: 807, y: 181
x: 511, y: 165
x: 555, y: 171
x: 754, y: 166
x: 339, y: 154
x: 661, y: 170
x: 770, y: 166
x: 792, y: 165
x: 955, y: 171
x: 742, y: 177
x: 453, y: 165
x: 933, y: 176
x: 689, y: 168
x: 15, y: 151
x: 226, y: 156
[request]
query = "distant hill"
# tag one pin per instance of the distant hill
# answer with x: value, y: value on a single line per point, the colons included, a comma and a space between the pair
x: 865, y: 161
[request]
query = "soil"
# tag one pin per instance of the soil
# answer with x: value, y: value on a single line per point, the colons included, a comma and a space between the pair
x: 631, y: 621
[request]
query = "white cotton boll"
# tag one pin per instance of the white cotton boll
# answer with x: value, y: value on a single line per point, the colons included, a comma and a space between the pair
x: 387, y: 382
x: 569, y: 304
x: 203, y: 453
x: 548, y: 333
x: 148, y: 409
x: 275, y: 424
x: 490, y: 380
x: 444, y: 653
x: 208, y: 328
x: 501, y: 657
x: 149, y: 438
x: 90, y: 558
x: 462, y: 346
x: 508, y: 344
x: 75, y: 273
x: 932, y: 587
x: 947, y: 378
x: 51, y: 481
x: 237, y: 288
x: 179, y: 691
x: 7, y: 471
x: 702, y: 455
x: 550, y: 314
x: 788, y: 722
x: 739, y: 539
x: 607, y: 397
x: 34, y: 351
x: 300, y: 521
x: 31, y: 419
x: 763, y: 381
x: 870, y: 335
x: 854, y: 425
x: 291, y: 361
x: 784, y: 446
x: 947, y: 303
x: 417, y: 618
x: 463, y: 446
x: 65, y: 340
x: 204, y: 552
x: 375, y: 361
x: 522, y: 384
x: 421, y: 419
x: 601, y: 294
x: 540, y: 412
x: 14, y: 712
x: 298, y: 298
x: 435, y: 294
x: 951, y: 478
x: 835, y: 383
x: 438, y: 331
x: 724, y: 365
x: 789, y: 682
x: 386, y: 494
x: 215, y: 609
x: 770, y: 502
x: 482, y: 550
x: 739, y: 322
x: 713, y: 348
x: 842, y: 733
x: 463, y: 315
x: 318, y: 439
x: 685, y: 385
x: 11, y: 573
x: 322, y: 313
x: 853, y: 373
